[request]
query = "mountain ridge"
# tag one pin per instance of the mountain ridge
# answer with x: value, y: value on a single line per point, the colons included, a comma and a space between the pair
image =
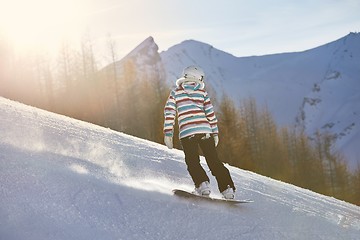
x: 298, y: 88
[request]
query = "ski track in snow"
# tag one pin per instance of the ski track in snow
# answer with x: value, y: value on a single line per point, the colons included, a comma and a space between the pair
x: 65, y: 179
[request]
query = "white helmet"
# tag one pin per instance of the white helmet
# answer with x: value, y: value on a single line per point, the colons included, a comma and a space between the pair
x: 194, y: 72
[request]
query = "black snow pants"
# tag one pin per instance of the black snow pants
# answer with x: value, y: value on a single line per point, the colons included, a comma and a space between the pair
x: 219, y: 171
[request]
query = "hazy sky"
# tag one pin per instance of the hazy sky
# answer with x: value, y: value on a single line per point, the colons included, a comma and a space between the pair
x: 243, y: 28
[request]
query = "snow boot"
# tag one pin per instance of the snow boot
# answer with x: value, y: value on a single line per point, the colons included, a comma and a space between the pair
x: 203, y: 189
x: 228, y: 193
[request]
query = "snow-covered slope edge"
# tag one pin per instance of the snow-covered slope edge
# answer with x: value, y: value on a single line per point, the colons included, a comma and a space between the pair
x: 66, y: 179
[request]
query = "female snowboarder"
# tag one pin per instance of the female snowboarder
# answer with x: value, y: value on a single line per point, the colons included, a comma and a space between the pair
x: 197, y: 127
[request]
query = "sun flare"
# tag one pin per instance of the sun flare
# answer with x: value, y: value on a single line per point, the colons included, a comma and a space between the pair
x: 40, y: 24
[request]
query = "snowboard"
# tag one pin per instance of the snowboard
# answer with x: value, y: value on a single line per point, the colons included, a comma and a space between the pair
x: 187, y: 194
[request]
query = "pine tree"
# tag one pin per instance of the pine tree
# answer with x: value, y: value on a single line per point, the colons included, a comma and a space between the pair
x: 355, y: 187
x: 230, y: 140
x: 249, y: 114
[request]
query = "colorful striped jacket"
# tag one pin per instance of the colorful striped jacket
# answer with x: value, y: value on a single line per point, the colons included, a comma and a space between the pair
x: 194, y: 111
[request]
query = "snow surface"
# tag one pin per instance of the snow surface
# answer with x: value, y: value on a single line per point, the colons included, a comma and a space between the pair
x: 61, y: 178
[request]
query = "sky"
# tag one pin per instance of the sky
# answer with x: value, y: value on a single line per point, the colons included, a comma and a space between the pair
x: 239, y: 27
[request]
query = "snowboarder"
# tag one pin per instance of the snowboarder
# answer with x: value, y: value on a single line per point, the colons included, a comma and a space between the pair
x: 197, y: 127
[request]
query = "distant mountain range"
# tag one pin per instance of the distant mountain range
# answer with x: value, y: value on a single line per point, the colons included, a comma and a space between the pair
x: 317, y: 89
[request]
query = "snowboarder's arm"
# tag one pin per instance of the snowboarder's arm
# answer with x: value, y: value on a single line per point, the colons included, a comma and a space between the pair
x: 170, y: 114
x: 210, y: 114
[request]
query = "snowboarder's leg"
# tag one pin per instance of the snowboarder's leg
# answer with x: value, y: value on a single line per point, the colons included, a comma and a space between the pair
x: 217, y: 168
x: 192, y: 159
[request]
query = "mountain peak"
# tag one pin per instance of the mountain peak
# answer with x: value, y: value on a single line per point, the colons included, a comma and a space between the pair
x: 146, y: 60
x: 145, y: 47
x: 194, y: 45
x: 194, y: 42
x: 353, y: 34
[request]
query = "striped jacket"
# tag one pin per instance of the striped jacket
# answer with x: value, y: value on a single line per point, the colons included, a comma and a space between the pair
x: 194, y: 111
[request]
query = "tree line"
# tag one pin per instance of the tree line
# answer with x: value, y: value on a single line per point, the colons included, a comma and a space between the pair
x: 250, y: 139
x: 121, y: 98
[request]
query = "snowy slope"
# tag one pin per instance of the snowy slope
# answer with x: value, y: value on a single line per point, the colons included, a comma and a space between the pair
x: 333, y: 105
x: 314, y: 89
x: 66, y: 179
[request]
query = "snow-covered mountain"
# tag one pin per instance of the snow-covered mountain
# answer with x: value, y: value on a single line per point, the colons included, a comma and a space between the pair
x: 318, y: 89
x: 144, y: 62
x: 61, y: 178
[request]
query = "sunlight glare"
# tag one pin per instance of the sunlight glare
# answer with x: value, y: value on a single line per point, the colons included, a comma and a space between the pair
x: 40, y: 24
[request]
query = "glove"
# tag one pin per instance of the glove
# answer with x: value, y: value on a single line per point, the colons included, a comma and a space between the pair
x: 216, y: 140
x: 168, y: 141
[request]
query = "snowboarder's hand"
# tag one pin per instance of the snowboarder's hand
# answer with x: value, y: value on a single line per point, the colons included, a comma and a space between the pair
x: 216, y: 140
x: 168, y: 142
